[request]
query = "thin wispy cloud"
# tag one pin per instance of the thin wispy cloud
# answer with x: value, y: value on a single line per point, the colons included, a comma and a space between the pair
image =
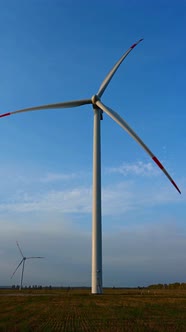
x: 139, y: 169
x: 68, y: 201
x: 116, y: 198
x: 54, y: 177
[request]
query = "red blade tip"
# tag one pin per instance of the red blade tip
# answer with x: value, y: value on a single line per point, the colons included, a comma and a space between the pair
x: 133, y: 45
x: 136, y: 43
x: 157, y: 162
x: 5, y: 114
x: 174, y: 184
x: 161, y: 166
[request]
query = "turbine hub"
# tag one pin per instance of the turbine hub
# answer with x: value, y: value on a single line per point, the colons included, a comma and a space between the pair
x: 94, y: 99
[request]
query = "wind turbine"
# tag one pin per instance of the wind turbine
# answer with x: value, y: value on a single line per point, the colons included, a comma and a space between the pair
x: 99, y: 108
x: 24, y: 258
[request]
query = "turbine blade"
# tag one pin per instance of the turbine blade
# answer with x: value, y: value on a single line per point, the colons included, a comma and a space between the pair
x: 117, y: 118
x: 113, y: 70
x: 17, y: 268
x: 34, y: 257
x: 19, y: 249
x: 67, y: 104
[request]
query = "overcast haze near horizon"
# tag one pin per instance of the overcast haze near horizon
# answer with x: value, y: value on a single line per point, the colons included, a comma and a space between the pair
x: 54, y: 51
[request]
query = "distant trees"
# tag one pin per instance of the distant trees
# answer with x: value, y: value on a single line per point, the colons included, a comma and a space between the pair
x: 15, y: 286
x: 31, y: 287
x: 175, y: 285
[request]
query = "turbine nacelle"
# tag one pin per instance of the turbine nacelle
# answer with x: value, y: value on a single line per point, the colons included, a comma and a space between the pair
x: 94, y: 99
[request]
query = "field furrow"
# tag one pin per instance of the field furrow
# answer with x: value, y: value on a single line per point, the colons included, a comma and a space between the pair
x: 78, y: 311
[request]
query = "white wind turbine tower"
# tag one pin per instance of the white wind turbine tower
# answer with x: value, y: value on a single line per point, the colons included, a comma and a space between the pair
x: 24, y: 258
x: 99, y: 108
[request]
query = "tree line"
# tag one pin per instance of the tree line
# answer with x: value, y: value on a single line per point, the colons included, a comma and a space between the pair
x: 175, y: 285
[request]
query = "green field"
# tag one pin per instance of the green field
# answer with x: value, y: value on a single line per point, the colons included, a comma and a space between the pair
x: 76, y: 310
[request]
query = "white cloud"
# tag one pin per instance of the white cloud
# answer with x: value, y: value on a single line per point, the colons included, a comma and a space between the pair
x: 139, y: 168
x: 53, y: 177
x: 116, y: 199
x: 68, y: 201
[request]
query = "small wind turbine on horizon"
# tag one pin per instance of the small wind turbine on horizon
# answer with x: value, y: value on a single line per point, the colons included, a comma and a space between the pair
x: 24, y: 258
x: 99, y: 108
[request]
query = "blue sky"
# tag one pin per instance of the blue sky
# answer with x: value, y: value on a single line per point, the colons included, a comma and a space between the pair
x: 54, y: 51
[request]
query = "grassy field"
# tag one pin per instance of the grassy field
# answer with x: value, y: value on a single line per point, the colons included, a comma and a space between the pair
x: 76, y: 310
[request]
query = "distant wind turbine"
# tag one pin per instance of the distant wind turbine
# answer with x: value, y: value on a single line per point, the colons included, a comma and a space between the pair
x: 99, y: 108
x: 24, y: 258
